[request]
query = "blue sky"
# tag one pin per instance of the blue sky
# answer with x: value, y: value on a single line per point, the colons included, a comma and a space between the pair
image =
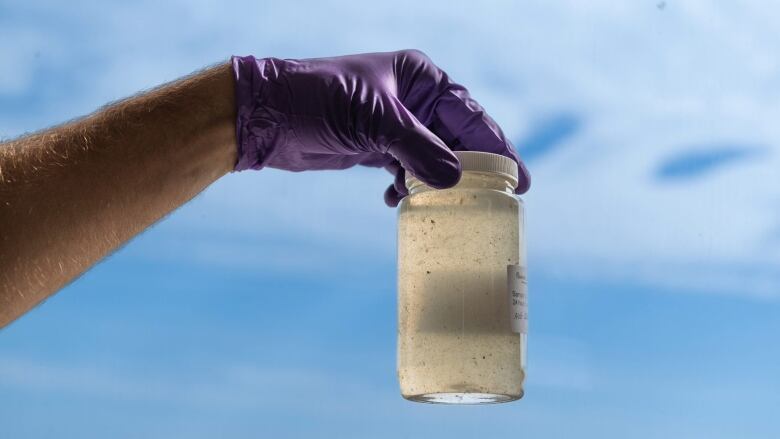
x: 266, y: 306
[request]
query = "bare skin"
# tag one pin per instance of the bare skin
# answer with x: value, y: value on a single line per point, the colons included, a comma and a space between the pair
x: 71, y: 195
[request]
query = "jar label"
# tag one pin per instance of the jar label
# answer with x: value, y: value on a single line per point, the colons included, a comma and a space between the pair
x: 518, y: 298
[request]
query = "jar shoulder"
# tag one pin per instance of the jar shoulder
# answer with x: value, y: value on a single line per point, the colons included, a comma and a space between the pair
x: 465, y: 198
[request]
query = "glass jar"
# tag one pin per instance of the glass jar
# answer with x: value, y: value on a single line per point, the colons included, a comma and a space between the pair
x: 462, y: 315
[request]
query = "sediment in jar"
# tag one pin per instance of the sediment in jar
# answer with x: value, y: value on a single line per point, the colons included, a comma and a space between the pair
x: 454, y: 330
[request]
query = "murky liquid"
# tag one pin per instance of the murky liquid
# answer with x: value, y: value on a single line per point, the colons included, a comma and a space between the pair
x: 455, y: 342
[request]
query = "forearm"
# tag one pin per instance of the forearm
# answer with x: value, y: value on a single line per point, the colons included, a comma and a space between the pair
x: 72, y: 194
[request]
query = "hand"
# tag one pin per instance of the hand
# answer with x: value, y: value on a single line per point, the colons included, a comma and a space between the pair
x: 396, y: 110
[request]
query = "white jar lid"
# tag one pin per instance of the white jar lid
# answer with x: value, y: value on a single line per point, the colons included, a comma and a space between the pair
x: 477, y: 161
x: 484, y: 162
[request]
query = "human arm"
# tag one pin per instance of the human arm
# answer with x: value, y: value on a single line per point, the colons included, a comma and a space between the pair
x: 72, y: 194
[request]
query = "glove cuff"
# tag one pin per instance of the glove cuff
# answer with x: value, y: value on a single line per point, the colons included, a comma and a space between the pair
x: 259, y: 129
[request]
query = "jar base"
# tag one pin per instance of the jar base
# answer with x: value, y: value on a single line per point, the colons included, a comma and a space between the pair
x: 462, y: 398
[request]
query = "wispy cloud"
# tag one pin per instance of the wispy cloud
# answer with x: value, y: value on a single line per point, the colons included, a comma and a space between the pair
x: 548, y: 134
x: 698, y: 161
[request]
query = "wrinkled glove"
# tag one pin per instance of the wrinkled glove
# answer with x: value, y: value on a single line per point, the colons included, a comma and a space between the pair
x: 396, y: 110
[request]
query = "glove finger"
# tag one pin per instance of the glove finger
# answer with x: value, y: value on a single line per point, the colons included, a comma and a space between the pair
x: 475, y: 130
x: 399, y: 174
x: 453, y: 115
x: 396, y: 191
x: 399, y: 183
x: 418, y: 150
x: 524, y: 179
x: 392, y: 197
x: 393, y: 167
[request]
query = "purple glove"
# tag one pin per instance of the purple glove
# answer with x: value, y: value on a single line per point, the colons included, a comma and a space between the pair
x: 395, y: 110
